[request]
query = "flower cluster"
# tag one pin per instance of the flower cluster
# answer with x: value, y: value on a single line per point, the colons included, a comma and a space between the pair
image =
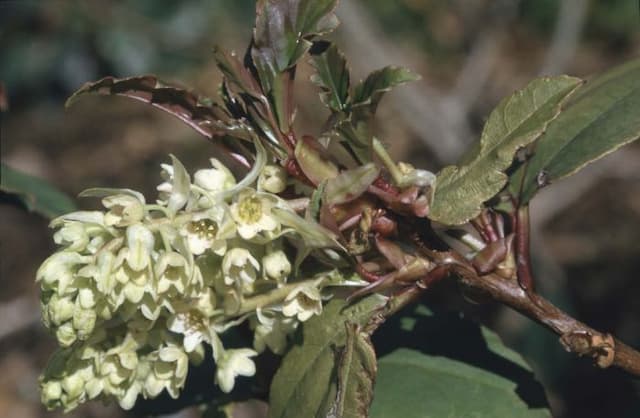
x: 137, y: 290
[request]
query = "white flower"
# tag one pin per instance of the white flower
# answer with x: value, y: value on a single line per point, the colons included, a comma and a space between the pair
x: 193, y: 325
x: 234, y: 363
x: 273, y: 179
x: 102, y: 272
x: 209, y: 230
x: 240, y: 267
x: 304, y: 301
x: 169, y: 371
x: 124, y: 209
x: 175, y: 191
x: 216, y: 179
x: 58, y: 271
x: 276, y: 265
x: 271, y: 331
x: 73, y: 235
x: 128, y: 399
x: 252, y: 214
x: 172, y: 270
x: 140, y: 242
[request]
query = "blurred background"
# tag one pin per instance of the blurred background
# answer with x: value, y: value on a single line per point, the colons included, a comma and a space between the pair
x: 470, y: 54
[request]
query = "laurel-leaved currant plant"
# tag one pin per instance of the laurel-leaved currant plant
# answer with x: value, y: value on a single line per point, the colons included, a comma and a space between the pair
x: 303, y: 246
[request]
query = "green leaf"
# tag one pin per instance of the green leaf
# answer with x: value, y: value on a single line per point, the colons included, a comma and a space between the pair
x: 350, y: 184
x: 332, y: 76
x: 518, y: 120
x: 36, y: 194
x: 368, y: 93
x: 305, y: 385
x: 411, y: 384
x: 599, y: 119
x: 451, y: 367
x: 357, y: 134
x: 356, y: 376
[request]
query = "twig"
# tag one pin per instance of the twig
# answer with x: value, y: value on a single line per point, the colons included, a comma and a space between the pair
x: 575, y: 336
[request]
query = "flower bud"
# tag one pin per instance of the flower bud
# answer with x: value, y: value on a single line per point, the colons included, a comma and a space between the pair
x: 273, y: 179
x: 51, y: 392
x: 73, y: 385
x: 65, y: 334
x: 416, y: 177
x: 84, y: 321
x: 276, y: 265
x: 60, y: 309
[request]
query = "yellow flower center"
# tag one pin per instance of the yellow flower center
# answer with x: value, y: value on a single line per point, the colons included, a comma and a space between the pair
x: 204, y: 228
x: 194, y: 321
x: 250, y: 210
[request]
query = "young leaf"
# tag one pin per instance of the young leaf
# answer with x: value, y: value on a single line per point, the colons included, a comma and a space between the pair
x: 283, y: 28
x: 411, y: 384
x: 350, y: 184
x: 36, y: 194
x: 599, y: 119
x: 200, y: 114
x: 332, y: 76
x: 281, y: 37
x: 235, y: 73
x: 369, y: 92
x: 357, y: 134
x: 518, y: 120
x: 305, y: 385
x: 312, y: 233
x: 313, y: 164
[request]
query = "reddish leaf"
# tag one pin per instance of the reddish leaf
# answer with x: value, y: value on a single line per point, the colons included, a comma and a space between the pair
x: 205, y: 117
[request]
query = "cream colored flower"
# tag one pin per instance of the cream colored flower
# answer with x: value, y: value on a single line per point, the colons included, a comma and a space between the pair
x: 271, y: 330
x: 208, y: 230
x: 193, y: 325
x: 234, y: 363
x: 169, y: 372
x: 124, y: 209
x: 140, y: 242
x: 303, y: 302
x: 216, y: 179
x: 59, y: 270
x: 172, y: 270
x: 175, y: 190
x: 252, y: 214
x: 240, y: 268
